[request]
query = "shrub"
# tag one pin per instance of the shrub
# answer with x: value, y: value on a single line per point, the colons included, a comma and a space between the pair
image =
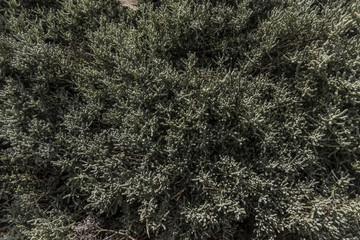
x: 181, y: 120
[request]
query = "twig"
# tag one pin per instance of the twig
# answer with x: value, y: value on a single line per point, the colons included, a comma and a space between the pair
x: 177, y: 196
x: 115, y: 232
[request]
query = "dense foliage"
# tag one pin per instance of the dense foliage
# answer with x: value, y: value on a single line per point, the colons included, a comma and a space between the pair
x: 184, y: 119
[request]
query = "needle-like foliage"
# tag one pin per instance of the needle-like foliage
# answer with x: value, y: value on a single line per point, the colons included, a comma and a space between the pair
x: 184, y: 119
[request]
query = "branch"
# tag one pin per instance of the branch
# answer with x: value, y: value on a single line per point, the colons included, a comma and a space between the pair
x: 115, y: 232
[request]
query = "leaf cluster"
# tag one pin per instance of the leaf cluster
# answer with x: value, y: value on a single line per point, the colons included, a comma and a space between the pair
x: 181, y: 120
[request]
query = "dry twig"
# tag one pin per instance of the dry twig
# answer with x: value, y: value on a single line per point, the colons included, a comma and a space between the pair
x: 132, y: 4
